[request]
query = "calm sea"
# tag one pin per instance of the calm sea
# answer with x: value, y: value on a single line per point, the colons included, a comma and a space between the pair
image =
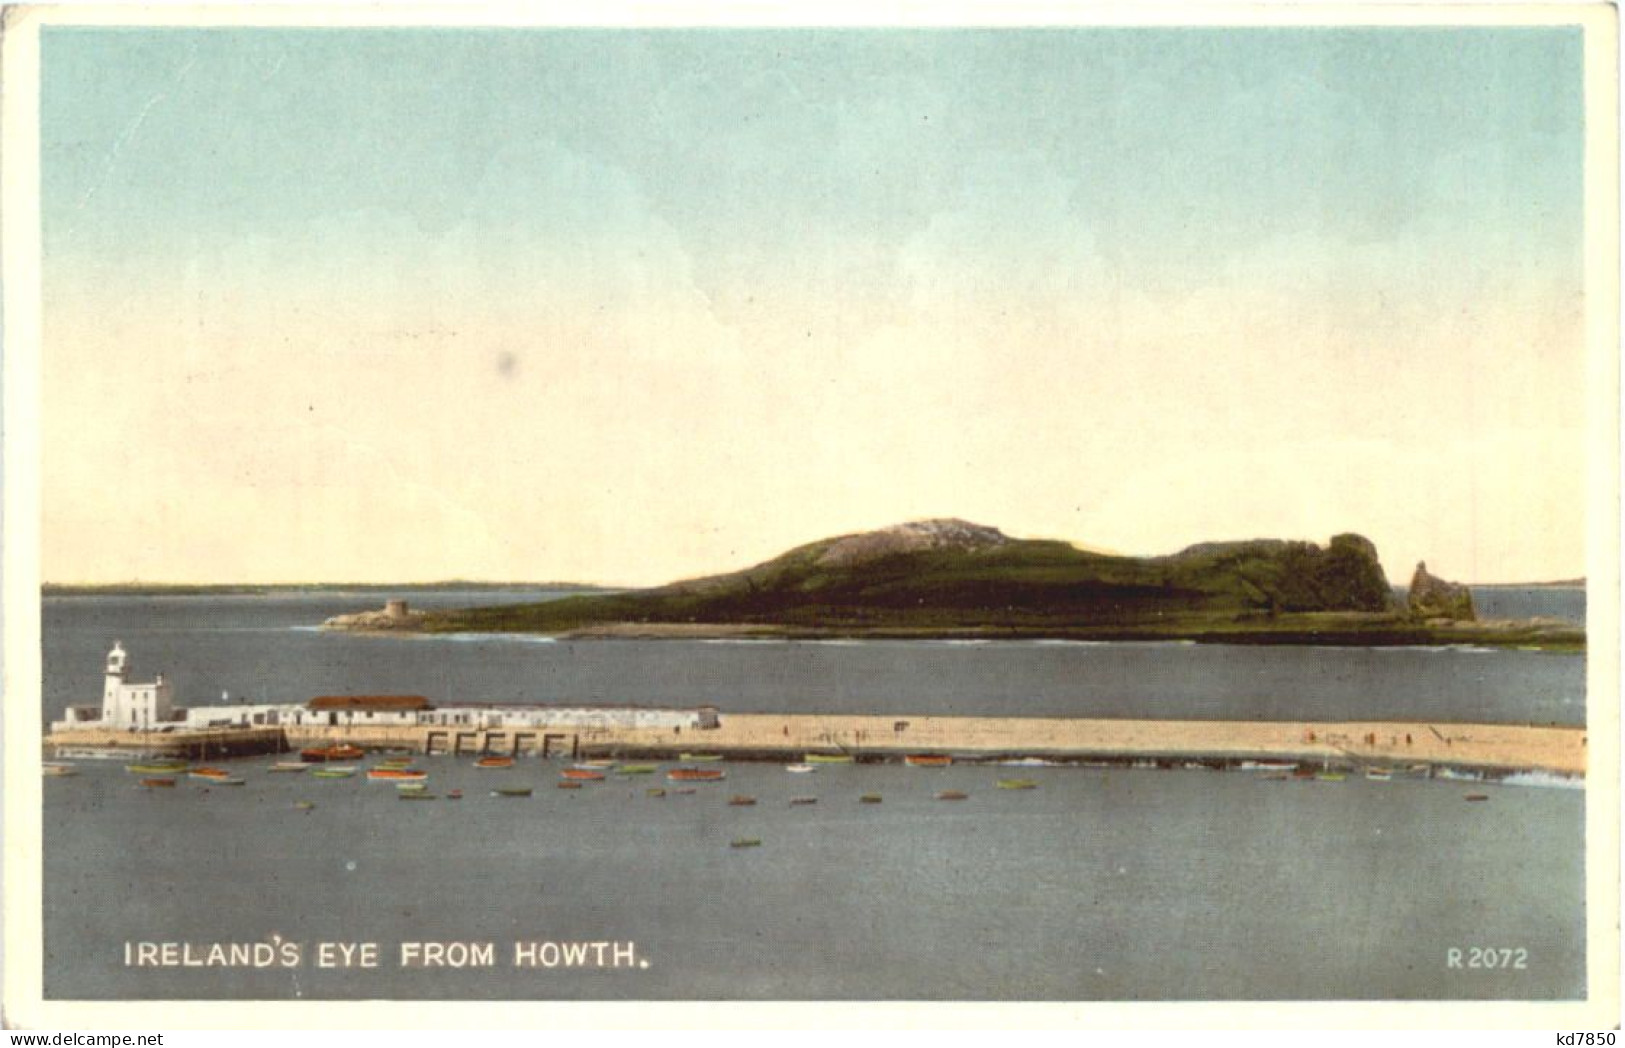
x: 1098, y: 885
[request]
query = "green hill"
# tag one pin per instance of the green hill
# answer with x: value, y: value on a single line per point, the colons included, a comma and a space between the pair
x: 949, y: 575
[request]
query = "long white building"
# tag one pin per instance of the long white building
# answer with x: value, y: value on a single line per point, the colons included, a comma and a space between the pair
x: 130, y: 706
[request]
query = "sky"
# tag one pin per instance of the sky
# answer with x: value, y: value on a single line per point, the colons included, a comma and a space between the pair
x: 626, y: 306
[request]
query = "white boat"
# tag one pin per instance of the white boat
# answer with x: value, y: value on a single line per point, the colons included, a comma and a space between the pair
x: 58, y: 769
x: 799, y: 769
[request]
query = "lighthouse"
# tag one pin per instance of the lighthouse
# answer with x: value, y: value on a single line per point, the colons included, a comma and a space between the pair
x: 131, y: 706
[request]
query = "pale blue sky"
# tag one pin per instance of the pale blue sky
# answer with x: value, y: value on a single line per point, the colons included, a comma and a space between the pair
x: 709, y: 293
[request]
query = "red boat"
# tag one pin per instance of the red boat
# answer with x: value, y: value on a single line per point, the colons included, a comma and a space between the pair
x: 397, y: 774
x: 696, y: 774
x: 343, y: 752
x: 928, y: 760
x: 583, y: 774
x: 494, y: 762
x: 150, y: 783
x: 210, y: 773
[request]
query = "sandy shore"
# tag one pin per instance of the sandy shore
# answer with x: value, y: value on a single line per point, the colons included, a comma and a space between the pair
x: 1375, y: 742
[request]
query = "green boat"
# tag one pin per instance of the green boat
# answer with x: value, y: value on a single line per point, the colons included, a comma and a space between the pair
x: 417, y: 795
x: 411, y: 787
x: 828, y: 758
x: 700, y: 757
x: 511, y: 791
x: 746, y: 842
x: 304, y: 805
x: 870, y: 798
x: 333, y: 773
x: 157, y: 767
x: 639, y: 769
x: 654, y: 791
x: 1017, y: 784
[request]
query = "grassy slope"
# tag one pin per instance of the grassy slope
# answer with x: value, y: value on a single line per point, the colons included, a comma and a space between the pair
x: 1019, y: 586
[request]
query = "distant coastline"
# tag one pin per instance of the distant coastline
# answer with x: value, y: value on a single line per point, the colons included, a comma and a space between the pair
x: 186, y: 589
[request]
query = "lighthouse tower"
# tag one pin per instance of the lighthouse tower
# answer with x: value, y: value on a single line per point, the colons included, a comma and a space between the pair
x: 132, y: 707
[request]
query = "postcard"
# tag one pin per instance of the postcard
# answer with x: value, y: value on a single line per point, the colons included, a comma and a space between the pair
x: 809, y: 513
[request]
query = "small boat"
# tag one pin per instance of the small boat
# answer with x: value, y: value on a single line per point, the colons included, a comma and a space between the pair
x: 417, y: 795
x: 827, y: 758
x: 396, y: 774
x: 569, y: 784
x: 869, y: 798
x: 154, y: 783
x: 1378, y: 774
x: 696, y: 774
x: 1275, y: 776
x: 928, y: 760
x: 700, y: 757
x: 229, y: 781
x: 583, y: 774
x: 394, y: 762
x: 454, y: 795
x: 156, y: 767
x: 304, y: 805
x: 800, y: 769
x: 511, y: 791
x: 212, y: 774
x: 1477, y: 797
x: 1266, y: 766
x: 796, y: 802
x: 639, y: 769
x: 746, y: 842
x: 1331, y: 776
x: 686, y: 791
x: 951, y: 795
x: 290, y: 766
x: 333, y: 772
x: 58, y: 771
x: 411, y: 787
x: 1303, y: 773
x: 598, y: 765
x: 739, y: 800
x: 1017, y: 784
x: 325, y: 754
x: 494, y: 762
x: 654, y: 791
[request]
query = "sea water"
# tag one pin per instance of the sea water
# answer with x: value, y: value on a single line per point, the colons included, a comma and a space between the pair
x: 1101, y: 884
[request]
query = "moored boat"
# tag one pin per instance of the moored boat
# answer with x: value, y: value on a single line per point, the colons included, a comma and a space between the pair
x: 55, y: 770
x: 511, y: 791
x: 696, y: 774
x: 928, y: 760
x: 396, y: 774
x: 291, y: 766
x: 700, y: 757
x: 411, y: 787
x: 569, y: 784
x: 796, y: 802
x: 869, y: 798
x: 154, y: 783
x: 324, y: 754
x: 827, y: 758
x: 417, y: 795
x: 333, y: 772
x: 745, y: 842
x: 1477, y: 797
x: 213, y: 774
x: 654, y: 791
x: 1017, y: 784
x: 597, y: 764
x: 1378, y: 774
x: 489, y: 763
x: 739, y: 800
x: 638, y: 769
x: 800, y: 769
x: 1331, y: 776
x: 304, y: 805
x: 454, y: 795
x: 156, y: 767
x: 229, y: 780
x: 951, y: 795
x: 583, y: 774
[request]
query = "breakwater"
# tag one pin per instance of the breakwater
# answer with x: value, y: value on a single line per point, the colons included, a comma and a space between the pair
x: 764, y: 736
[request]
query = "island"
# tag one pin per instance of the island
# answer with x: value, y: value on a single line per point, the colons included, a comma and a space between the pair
x: 949, y: 578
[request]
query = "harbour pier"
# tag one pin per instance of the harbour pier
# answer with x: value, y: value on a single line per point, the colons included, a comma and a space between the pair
x: 788, y: 737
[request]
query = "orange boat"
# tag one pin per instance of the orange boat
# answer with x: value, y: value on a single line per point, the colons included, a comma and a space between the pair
x: 343, y: 752
x: 209, y: 773
x: 494, y: 762
x: 928, y: 760
x: 397, y: 774
x: 583, y: 774
x: 696, y: 774
x: 150, y: 783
